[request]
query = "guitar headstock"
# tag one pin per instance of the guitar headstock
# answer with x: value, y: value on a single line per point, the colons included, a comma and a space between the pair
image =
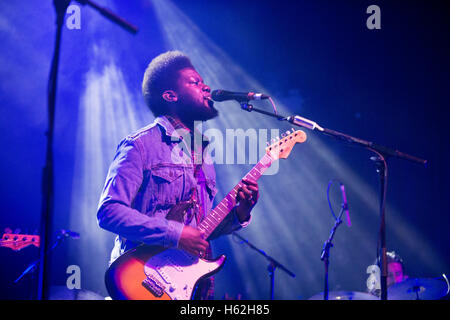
x: 281, y: 148
x: 17, y: 242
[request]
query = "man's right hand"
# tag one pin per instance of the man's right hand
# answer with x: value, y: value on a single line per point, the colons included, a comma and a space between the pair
x: 193, y: 241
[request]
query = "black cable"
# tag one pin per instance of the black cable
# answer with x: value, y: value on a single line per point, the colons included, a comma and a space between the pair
x: 330, y: 183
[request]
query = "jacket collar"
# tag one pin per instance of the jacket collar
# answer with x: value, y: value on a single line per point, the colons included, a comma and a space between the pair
x: 169, y: 129
x: 174, y: 133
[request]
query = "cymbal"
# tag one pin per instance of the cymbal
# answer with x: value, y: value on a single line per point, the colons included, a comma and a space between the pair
x: 418, y: 289
x: 345, y: 295
x: 63, y: 293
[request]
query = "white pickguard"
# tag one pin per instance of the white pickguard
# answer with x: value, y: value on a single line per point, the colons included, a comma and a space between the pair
x: 177, y: 271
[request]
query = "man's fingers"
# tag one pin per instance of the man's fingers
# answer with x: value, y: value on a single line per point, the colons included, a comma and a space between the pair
x: 250, y: 186
x: 193, y: 241
x: 198, y: 250
x: 204, y: 245
x: 245, y: 193
x: 250, y: 182
x: 201, y: 251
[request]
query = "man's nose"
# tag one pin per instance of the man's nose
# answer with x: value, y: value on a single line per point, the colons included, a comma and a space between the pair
x: 206, y: 88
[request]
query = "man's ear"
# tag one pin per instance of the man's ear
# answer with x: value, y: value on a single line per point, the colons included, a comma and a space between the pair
x: 170, y: 96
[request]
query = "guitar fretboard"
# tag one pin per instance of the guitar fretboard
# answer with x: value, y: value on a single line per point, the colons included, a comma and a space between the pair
x: 218, y: 214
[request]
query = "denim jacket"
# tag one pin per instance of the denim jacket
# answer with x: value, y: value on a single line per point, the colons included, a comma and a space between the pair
x: 150, y: 173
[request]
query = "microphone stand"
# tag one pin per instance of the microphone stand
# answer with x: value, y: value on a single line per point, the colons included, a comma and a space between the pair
x: 273, y: 264
x: 382, y: 153
x: 325, y: 255
x: 47, y: 175
x: 111, y: 16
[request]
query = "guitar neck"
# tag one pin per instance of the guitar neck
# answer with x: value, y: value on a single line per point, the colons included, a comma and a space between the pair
x: 218, y: 214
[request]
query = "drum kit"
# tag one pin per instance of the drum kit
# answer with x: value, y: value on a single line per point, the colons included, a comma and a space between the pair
x: 409, y: 289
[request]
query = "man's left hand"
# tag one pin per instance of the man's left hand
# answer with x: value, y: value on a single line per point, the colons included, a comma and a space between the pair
x: 247, y: 196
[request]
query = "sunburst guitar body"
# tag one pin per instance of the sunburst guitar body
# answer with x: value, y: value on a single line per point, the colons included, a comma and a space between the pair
x: 156, y: 273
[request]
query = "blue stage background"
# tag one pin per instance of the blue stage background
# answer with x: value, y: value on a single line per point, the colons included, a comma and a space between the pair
x: 315, y: 58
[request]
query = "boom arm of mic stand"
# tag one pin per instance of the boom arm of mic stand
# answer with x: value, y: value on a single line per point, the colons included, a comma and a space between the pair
x: 387, y: 152
x: 272, y: 260
x: 305, y: 123
x: 273, y: 264
x: 111, y: 16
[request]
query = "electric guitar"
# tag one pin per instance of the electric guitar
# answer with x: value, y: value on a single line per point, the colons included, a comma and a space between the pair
x: 19, y: 241
x: 157, y: 273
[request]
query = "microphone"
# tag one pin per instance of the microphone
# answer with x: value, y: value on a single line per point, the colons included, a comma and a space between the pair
x: 222, y: 95
x: 345, y: 204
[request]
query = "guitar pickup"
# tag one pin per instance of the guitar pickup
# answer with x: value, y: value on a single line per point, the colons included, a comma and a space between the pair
x: 153, y: 286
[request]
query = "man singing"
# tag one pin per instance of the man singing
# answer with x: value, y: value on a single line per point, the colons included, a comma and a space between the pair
x: 162, y: 164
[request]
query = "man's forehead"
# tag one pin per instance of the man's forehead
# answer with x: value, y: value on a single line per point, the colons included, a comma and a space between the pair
x: 189, y: 72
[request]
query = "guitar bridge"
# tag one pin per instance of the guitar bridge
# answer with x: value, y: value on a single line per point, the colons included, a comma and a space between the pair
x: 153, y: 285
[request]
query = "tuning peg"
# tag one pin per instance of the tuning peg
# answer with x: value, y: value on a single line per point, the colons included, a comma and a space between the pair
x: 8, y: 230
x: 17, y: 231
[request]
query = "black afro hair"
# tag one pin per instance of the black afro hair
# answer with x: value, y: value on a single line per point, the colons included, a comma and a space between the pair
x: 160, y: 76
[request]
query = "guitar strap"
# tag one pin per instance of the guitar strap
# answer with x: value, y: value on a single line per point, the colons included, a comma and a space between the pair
x: 201, y: 182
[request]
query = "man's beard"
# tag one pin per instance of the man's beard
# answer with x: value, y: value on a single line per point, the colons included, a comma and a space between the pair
x: 201, y: 114
x: 208, y: 114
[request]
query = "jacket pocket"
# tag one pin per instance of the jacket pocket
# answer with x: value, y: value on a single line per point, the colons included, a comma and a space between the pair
x: 167, y: 184
x: 167, y: 174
